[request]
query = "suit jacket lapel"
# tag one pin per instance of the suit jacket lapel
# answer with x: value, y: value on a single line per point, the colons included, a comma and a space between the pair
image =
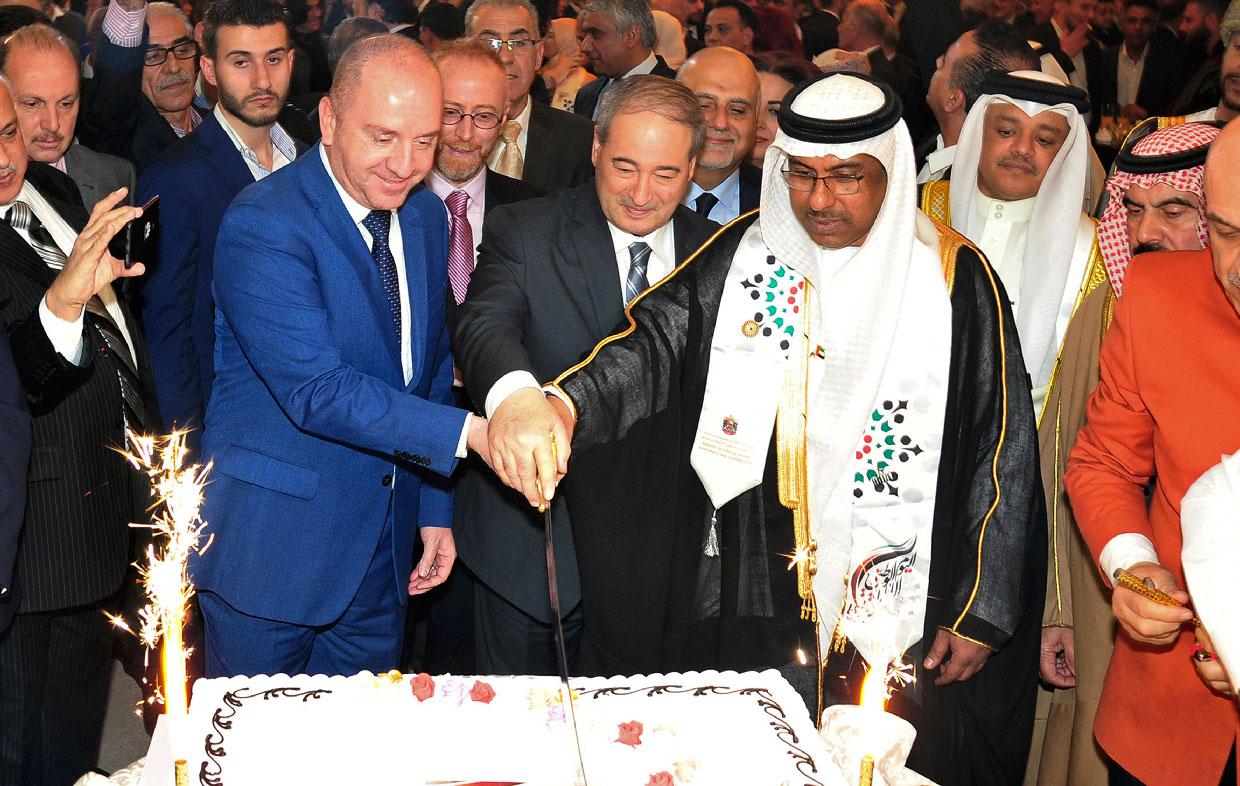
x: 417, y: 257
x: 595, y: 260
x: 225, y: 159
x: 539, y: 142
x: 348, y: 240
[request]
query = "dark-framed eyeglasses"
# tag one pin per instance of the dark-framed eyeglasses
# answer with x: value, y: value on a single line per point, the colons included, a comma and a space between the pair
x: 184, y: 49
x: 483, y: 120
x: 840, y: 185
x: 498, y: 44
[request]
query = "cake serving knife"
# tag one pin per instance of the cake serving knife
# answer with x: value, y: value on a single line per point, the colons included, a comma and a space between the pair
x: 561, y: 652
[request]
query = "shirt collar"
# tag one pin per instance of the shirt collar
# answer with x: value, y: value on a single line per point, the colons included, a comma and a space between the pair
x: 1003, y: 210
x: 661, y: 241
x: 941, y: 158
x: 357, y: 211
x: 280, y: 141
x: 644, y: 67
x: 728, y: 192
x: 475, y: 189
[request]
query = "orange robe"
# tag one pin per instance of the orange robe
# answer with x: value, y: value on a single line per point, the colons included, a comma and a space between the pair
x: 1167, y: 406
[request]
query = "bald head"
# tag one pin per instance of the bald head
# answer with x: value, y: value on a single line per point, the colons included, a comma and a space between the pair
x: 381, y: 120
x: 1223, y: 210
x: 726, y: 85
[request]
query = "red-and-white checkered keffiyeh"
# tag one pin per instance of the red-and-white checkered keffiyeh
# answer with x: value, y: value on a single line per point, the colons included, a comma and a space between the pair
x: 1113, y: 238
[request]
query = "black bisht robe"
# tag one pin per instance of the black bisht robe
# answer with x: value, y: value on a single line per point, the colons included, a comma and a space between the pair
x: 654, y: 603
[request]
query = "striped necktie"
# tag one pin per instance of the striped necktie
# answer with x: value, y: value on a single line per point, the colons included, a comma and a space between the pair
x: 639, y: 260
x: 460, y: 245
x: 22, y: 218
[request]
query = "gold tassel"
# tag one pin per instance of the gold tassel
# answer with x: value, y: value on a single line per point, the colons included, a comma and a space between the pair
x: 790, y: 445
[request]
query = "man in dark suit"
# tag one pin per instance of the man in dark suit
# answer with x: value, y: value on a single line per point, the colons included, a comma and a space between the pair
x: 553, y: 277
x: 196, y: 180
x: 141, y: 98
x: 726, y: 85
x: 1142, y: 75
x: 84, y: 370
x: 546, y: 148
x: 617, y: 38
x: 474, y: 92
x: 43, y: 72
x: 15, y: 436
x: 331, y: 423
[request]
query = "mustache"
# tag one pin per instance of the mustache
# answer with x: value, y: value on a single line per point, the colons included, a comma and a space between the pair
x: 172, y: 80
x: 49, y: 137
x: 263, y: 93
x: 8, y: 170
x: 1145, y: 248
x: 463, y: 147
x: 1021, y: 162
x: 627, y: 201
x: 1233, y: 278
x: 830, y: 214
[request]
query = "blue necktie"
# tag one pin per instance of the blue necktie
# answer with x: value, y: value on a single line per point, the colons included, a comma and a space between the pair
x: 636, y: 283
x: 379, y: 224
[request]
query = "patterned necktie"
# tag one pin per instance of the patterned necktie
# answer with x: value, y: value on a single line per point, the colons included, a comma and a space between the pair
x: 705, y: 203
x: 635, y: 283
x: 379, y: 224
x: 460, y: 245
x: 510, y: 162
x: 21, y: 217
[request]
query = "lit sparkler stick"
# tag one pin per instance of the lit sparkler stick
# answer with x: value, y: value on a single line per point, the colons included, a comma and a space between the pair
x: 176, y: 517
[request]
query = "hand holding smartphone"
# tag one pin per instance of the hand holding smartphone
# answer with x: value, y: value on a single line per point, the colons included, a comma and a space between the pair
x: 138, y: 241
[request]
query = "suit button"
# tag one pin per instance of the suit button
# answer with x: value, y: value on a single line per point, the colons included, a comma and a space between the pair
x: 387, y: 480
x: 424, y: 461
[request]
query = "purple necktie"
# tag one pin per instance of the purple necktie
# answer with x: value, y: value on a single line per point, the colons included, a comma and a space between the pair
x: 460, y: 245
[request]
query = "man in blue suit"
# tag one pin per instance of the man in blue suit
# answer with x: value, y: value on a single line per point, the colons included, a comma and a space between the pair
x: 330, y: 421
x: 249, y: 60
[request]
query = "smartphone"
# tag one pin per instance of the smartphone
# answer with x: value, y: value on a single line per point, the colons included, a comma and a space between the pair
x: 138, y: 241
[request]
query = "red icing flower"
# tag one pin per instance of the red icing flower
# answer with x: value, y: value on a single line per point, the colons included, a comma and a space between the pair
x: 482, y: 692
x: 631, y: 734
x: 661, y: 779
x: 423, y: 686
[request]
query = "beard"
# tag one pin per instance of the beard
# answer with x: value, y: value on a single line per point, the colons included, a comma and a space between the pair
x: 255, y: 118
x: 460, y: 170
x: 1229, y: 86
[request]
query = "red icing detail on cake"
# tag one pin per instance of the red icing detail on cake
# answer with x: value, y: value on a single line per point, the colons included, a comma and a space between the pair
x: 630, y: 734
x: 661, y: 779
x: 482, y: 692
x: 423, y: 686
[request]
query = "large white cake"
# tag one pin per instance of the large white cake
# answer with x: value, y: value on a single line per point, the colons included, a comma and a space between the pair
x: 703, y: 728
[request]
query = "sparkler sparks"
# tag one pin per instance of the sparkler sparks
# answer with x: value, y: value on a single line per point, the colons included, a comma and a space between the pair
x: 178, y: 527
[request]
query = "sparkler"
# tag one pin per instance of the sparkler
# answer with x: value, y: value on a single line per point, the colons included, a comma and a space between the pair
x: 177, y: 523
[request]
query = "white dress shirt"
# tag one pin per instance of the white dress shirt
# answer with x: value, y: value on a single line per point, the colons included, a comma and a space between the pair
x: 644, y: 67
x: 1128, y: 76
x: 475, y: 208
x: 937, y: 162
x: 728, y: 193
x: 1003, y: 237
x: 1211, y: 525
x: 523, y: 139
x: 65, y: 336
x: 1078, y: 77
x: 283, y: 148
x: 358, y: 212
x: 662, y: 261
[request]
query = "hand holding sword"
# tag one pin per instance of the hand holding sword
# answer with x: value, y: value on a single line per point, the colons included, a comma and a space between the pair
x: 1149, y: 603
x: 523, y: 432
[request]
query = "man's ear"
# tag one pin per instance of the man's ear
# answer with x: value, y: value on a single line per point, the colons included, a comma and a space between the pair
x: 208, y: 69
x: 955, y: 100
x: 327, y: 121
x: 594, y: 148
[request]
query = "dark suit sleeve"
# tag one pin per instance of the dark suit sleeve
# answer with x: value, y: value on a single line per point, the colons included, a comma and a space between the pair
x: 109, y: 118
x: 15, y: 439
x: 489, y: 335
x: 168, y: 292
x: 46, y: 375
x: 268, y: 291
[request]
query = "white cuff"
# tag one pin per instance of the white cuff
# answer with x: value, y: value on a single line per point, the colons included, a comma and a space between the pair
x: 124, y: 28
x: 505, y: 386
x: 553, y: 390
x: 462, y: 446
x: 1124, y: 551
x: 66, y: 337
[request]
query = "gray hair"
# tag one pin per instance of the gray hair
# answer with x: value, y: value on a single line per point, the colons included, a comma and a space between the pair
x: 657, y: 94
x: 348, y: 33
x: 481, y: 5
x: 42, y: 37
x: 625, y: 14
x: 162, y: 8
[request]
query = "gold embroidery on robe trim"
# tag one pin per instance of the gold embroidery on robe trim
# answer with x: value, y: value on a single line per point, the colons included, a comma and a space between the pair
x: 936, y: 200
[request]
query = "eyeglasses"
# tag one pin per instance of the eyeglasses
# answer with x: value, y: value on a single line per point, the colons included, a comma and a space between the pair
x: 181, y: 50
x: 482, y: 120
x: 498, y: 44
x: 840, y: 185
